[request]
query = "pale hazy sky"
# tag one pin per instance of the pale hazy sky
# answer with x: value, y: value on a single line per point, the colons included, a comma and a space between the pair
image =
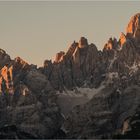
x: 38, y: 30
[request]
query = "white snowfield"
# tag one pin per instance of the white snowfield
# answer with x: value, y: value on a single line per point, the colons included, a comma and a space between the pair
x: 68, y: 99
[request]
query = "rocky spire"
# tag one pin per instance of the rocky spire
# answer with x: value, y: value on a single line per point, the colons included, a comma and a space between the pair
x: 59, y: 56
x: 133, y: 28
x: 122, y: 39
x: 83, y: 42
x: 4, y: 58
x: 111, y: 44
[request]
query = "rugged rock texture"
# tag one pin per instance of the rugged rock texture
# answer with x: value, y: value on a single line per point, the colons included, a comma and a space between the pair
x: 4, y: 58
x: 76, y: 68
x: 133, y: 29
x: 83, y: 42
x: 27, y: 103
x: 112, y: 113
x: 28, y: 100
x: 122, y: 39
x: 59, y: 57
x: 105, y: 115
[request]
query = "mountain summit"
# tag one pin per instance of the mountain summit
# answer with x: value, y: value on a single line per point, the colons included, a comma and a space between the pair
x: 83, y: 93
x: 133, y: 28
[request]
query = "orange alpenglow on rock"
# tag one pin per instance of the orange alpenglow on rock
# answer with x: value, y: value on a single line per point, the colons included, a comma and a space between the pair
x: 7, y: 76
x: 83, y: 42
x: 72, y: 48
x: 21, y: 61
x: 4, y: 72
x: 11, y: 72
x: 122, y: 39
x: 10, y: 80
x: 133, y: 28
x: 109, y: 44
x: 59, y: 57
x: 0, y: 84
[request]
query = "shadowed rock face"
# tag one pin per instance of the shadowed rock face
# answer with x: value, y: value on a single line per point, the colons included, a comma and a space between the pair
x: 28, y: 100
x: 5, y: 58
x: 110, y: 110
x: 76, y: 67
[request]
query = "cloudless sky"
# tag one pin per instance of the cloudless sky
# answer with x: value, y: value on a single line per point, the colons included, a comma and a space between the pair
x: 37, y: 30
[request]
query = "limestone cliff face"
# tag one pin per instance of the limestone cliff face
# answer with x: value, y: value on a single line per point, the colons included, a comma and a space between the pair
x: 28, y: 99
x: 113, y: 110
x: 76, y: 66
x: 6, y: 80
x: 122, y: 39
x: 59, y: 57
x: 27, y: 102
x: 133, y: 28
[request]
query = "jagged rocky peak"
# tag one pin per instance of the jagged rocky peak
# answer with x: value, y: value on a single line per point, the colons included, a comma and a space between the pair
x: 111, y: 44
x: 4, y: 58
x: 25, y: 90
x: 47, y: 63
x: 20, y: 61
x: 94, y: 48
x: 133, y: 28
x: 122, y: 39
x: 72, y: 48
x: 59, y: 57
x: 83, y: 42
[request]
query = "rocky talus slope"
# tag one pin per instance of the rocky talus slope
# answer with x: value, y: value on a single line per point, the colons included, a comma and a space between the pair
x: 83, y: 93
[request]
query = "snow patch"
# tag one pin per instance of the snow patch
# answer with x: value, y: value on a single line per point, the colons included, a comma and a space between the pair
x: 134, y: 68
x: 89, y: 93
x: 112, y: 61
x: 68, y: 99
x: 81, y: 92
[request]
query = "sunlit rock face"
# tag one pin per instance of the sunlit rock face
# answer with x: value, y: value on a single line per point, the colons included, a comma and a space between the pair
x: 27, y: 102
x: 76, y: 68
x: 133, y: 28
x: 6, y: 80
x: 83, y: 42
x: 71, y: 50
x: 114, y: 109
x: 28, y: 96
x: 122, y: 39
x: 111, y: 44
x: 59, y: 57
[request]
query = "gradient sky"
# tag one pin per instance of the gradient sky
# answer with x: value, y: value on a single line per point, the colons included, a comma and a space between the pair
x: 36, y: 31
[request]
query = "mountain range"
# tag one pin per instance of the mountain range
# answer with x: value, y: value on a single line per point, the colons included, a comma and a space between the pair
x: 84, y: 93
